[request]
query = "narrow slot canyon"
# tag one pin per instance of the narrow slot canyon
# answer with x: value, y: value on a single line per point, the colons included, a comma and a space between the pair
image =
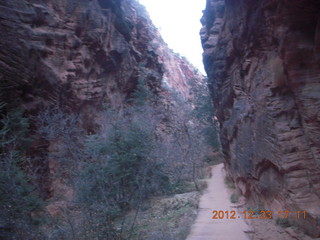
x: 159, y: 120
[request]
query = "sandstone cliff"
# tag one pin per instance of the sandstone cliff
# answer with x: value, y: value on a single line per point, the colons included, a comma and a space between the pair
x: 77, y: 53
x: 79, y: 56
x: 263, y: 64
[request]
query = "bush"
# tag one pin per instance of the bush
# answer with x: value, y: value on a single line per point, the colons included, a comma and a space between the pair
x: 257, y: 209
x: 283, y: 222
x: 120, y: 172
x: 14, y: 132
x: 18, y: 198
x: 143, y: 94
x: 124, y: 163
x: 64, y: 135
x: 229, y: 182
x: 234, y: 198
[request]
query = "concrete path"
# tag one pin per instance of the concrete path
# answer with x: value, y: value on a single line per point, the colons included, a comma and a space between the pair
x: 217, y: 197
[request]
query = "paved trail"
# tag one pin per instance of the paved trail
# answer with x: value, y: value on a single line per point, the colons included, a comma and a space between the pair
x: 216, y: 197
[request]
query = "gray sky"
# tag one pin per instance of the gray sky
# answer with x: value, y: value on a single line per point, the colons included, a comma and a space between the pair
x: 179, y: 25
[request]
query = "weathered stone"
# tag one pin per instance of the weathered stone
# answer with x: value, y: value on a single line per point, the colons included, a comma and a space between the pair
x: 81, y: 55
x: 71, y: 52
x: 262, y: 60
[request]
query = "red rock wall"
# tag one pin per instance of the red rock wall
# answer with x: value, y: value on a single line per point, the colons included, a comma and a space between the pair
x: 80, y: 55
x: 263, y: 62
x: 77, y: 53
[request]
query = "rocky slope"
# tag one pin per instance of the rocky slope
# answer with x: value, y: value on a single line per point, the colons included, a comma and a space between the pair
x: 263, y: 63
x: 80, y: 56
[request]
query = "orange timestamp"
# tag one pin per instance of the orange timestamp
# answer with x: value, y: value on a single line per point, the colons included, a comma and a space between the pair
x: 249, y: 214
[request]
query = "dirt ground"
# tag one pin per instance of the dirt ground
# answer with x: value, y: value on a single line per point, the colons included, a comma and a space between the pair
x: 217, y: 197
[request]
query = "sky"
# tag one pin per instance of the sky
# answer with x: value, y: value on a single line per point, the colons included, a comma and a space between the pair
x: 179, y: 25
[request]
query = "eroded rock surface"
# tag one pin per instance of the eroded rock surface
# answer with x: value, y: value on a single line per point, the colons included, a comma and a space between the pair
x: 79, y: 52
x: 81, y: 55
x: 263, y: 62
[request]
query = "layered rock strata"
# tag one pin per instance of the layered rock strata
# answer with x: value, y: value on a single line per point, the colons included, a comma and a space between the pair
x: 78, y: 52
x: 263, y: 63
x: 80, y: 56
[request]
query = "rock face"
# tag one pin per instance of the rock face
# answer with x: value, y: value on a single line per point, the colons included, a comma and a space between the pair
x: 80, y: 55
x: 263, y: 63
x: 84, y: 52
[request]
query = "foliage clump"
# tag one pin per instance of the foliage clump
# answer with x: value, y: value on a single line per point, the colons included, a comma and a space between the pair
x: 204, y: 112
x: 121, y: 170
x: 152, y: 147
x: 283, y: 222
x: 18, y: 198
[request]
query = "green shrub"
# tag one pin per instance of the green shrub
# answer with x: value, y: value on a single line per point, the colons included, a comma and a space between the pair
x: 257, y: 209
x: 120, y: 174
x: 142, y: 94
x: 229, y: 183
x: 18, y: 198
x: 283, y: 222
x: 14, y: 131
x: 234, y: 198
x: 124, y: 170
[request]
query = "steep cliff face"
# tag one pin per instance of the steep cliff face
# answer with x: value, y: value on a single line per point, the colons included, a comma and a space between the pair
x: 80, y: 56
x: 77, y: 53
x: 263, y: 62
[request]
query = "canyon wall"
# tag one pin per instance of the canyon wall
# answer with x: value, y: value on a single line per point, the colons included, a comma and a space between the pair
x: 263, y: 64
x: 82, y: 53
x: 81, y: 56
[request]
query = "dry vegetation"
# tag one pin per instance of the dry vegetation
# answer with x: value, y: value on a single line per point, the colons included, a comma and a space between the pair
x: 137, y: 177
